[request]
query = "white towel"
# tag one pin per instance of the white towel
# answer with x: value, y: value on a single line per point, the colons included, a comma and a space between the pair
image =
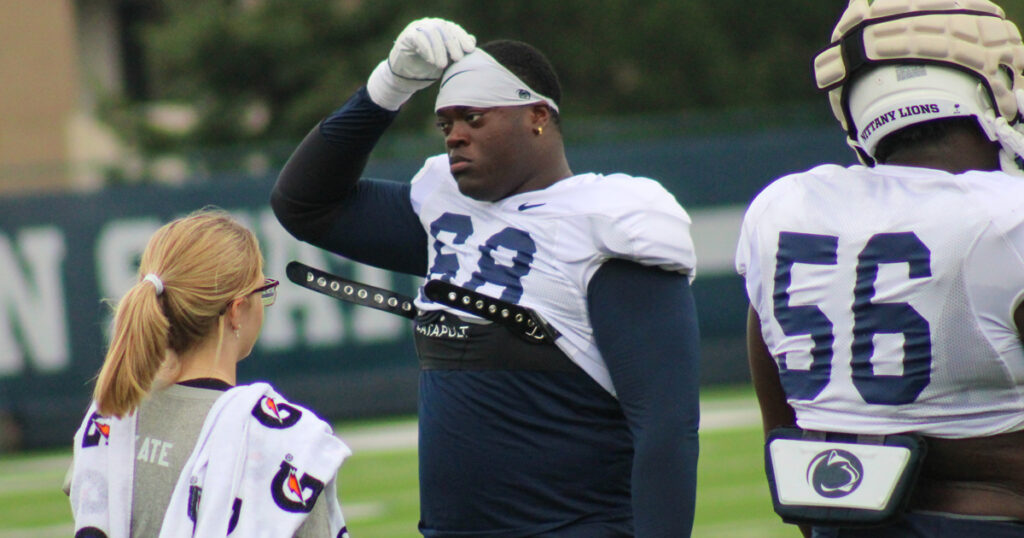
x: 277, y: 457
x: 272, y: 458
x: 101, y: 483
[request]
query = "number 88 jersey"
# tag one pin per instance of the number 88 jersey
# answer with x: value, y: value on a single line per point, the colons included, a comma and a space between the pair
x: 886, y: 296
x: 539, y: 249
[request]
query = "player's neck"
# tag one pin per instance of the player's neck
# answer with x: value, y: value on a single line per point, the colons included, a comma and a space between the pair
x: 554, y: 167
x: 208, y: 360
x: 957, y: 153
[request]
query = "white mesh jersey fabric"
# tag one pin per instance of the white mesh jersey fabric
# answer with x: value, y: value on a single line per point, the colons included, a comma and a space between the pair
x: 540, y: 248
x: 966, y: 237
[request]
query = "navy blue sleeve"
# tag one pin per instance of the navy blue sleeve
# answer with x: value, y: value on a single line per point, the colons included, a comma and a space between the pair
x: 645, y: 324
x: 319, y: 196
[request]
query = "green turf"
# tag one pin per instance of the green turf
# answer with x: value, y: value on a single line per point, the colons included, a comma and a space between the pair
x: 732, y: 494
x: 379, y: 494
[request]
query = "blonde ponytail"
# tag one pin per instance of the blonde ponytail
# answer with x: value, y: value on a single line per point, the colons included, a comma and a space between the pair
x: 191, y: 269
x: 137, y: 349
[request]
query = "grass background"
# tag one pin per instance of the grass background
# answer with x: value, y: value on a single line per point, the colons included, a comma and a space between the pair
x: 378, y: 487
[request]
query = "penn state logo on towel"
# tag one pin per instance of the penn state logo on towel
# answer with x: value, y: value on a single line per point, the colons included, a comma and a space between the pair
x: 98, y: 430
x: 195, y: 493
x: 294, y: 491
x: 90, y: 532
x: 274, y: 414
x: 835, y: 473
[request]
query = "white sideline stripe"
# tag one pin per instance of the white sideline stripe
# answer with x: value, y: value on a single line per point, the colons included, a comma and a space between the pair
x: 715, y: 233
x: 396, y: 436
x: 716, y: 415
x: 357, y: 511
x: 53, y: 531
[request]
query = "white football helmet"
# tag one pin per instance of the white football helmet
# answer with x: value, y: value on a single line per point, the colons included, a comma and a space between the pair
x: 958, y: 57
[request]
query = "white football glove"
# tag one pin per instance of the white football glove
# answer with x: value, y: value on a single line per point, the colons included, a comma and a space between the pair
x: 420, y: 54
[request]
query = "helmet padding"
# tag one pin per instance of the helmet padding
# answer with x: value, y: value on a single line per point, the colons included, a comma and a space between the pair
x: 969, y: 36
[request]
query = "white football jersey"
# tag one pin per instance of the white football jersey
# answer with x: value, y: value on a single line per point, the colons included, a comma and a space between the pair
x: 886, y: 297
x: 540, y: 248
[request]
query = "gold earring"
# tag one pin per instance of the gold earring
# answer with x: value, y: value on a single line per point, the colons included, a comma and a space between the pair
x: 538, y: 130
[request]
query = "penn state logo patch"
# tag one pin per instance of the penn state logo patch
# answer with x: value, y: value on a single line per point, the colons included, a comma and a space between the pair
x: 274, y: 414
x: 90, y: 532
x: 97, y: 431
x: 835, y: 473
x: 294, y: 491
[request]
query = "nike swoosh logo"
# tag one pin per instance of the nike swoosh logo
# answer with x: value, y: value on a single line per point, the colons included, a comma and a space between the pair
x: 451, y: 76
x: 524, y: 207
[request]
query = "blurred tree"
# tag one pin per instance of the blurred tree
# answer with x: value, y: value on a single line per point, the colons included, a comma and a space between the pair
x: 263, y: 70
x: 259, y: 69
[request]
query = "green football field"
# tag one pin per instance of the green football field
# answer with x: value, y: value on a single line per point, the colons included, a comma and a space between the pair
x: 378, y: 492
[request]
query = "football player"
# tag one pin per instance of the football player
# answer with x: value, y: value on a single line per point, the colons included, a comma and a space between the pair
x: 886, y: 298
x: 590, y: 432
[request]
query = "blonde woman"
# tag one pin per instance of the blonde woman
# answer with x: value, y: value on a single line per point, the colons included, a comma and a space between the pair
x: 170, y: 446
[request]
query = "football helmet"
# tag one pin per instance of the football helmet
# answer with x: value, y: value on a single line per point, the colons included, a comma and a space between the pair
x: 960, y: 48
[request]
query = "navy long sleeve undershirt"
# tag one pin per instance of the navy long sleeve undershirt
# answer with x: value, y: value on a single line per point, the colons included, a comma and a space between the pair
x: 644, y: 318
x: 319, y: 197
x: 645, y: 324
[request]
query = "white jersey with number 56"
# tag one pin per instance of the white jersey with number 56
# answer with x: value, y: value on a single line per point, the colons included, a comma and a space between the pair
x: 886, y: 296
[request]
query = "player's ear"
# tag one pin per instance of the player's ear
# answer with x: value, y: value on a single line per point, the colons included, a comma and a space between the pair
x: 233, y: 312
x: 539, y: 115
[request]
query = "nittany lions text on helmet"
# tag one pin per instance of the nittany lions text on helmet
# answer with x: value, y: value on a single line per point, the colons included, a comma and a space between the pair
x: 947, y: 38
